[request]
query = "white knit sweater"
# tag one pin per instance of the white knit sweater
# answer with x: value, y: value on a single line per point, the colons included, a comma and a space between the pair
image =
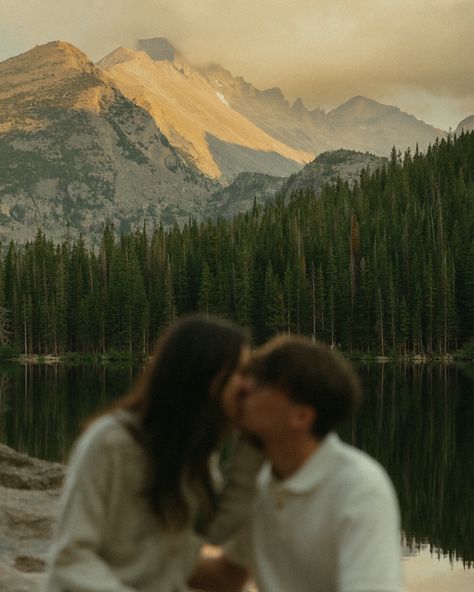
x: 108, y: 538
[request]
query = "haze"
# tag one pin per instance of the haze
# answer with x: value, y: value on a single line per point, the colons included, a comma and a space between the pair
x: 416, y: 55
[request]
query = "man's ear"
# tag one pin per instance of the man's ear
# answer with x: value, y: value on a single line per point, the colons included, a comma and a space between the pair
x: 303, y: 417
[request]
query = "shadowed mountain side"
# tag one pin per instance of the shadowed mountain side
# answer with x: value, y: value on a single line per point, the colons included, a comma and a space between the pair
x: 158, y: 48
x: 328, y: 167
x: 304, y: 130
x: 248, y: 159
x: 359, y: 124
x: 186, y: 109
x: 240, y: 195
x: 268, y: 109
x: 372, y: 126
x: 85, y: 170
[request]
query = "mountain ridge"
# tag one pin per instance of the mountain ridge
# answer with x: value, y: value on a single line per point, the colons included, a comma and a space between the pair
x: 466, y: 125
x: 78, y: 149
x: 327, y: 168
x: 190, y: 112
x: 318, y: 131
x: 75, y: 153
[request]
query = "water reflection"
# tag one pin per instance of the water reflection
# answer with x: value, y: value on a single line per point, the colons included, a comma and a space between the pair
x: 43, y: 407
x: 416, y: 420
x: 424, y: 572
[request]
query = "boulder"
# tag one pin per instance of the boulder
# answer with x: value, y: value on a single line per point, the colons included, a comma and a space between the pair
x: 19, y: 471
x: 29, y: 496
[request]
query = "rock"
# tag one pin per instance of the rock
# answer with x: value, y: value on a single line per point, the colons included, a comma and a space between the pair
x: 29, y: 496
x: 19, y: 471
x: 29, y: 564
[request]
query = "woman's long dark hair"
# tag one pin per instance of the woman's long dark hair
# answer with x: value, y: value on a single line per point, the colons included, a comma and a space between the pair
x: 181, y: 419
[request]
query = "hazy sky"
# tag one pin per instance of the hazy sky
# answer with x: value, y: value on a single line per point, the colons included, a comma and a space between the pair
x: 416, y: 54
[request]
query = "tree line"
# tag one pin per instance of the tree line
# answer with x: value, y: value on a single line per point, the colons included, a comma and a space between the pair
x: 385, y: 266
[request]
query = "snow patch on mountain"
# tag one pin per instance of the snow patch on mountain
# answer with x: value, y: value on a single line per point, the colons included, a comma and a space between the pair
x: 222, y: 98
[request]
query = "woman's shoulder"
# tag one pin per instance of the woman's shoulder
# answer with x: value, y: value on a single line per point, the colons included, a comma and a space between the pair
x: 113, y: 431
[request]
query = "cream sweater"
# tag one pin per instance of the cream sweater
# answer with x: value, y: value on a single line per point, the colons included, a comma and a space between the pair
x: 109, y: 540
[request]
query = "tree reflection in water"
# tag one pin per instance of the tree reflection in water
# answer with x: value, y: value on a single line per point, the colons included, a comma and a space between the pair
x: 417, y: 420
x: 45, y: 406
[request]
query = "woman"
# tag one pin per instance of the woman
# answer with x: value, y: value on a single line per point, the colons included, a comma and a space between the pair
x: 139, y: 484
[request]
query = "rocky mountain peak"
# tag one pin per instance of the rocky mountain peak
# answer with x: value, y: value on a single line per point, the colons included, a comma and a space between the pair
x: 51, y: 76
x: 195, y: 112
x: 60, y: 53
x: 359, y: 109
x: 298, y: 106
x: 158, y: 48
x: 330, y: 166
x: 118, y: 56
x: 274, y: 94
x: 215, y: 69
x: 76, y: 153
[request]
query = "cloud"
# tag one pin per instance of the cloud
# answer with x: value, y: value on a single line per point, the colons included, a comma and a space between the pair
x: 325, y: 51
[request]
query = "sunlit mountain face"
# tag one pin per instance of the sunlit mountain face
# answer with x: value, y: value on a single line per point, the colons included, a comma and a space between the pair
x: 216, y: 117
x: 146, y: 137
x: 197, y: 119
x: 76, y: 153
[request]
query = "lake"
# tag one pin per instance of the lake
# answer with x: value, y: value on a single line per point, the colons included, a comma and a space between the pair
x: 417, y: 420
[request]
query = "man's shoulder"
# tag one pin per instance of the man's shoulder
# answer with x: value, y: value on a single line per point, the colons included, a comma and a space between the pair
x: 358, y: 472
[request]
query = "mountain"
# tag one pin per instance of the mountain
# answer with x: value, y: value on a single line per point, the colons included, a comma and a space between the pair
x: 158, y: 48
x: 466, y: 125
x: 327, y: 167
x: 76, y: 153
x: 195, y: 118
x: 240, y: 195
x: 144, y: 136
x: 225, y: 125
x: 359, y: 124
x: 269, y: 110
x: 369, y: 125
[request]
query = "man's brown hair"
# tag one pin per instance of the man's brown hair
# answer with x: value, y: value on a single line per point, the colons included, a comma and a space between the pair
x: 312, y: 374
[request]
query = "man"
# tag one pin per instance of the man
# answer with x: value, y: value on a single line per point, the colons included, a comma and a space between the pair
x: 325, y: 517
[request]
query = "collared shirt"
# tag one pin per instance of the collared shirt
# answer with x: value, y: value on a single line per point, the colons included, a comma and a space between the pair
x: 333, y: 526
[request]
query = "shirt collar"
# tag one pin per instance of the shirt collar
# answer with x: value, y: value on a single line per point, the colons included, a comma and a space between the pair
x: 311, y: 474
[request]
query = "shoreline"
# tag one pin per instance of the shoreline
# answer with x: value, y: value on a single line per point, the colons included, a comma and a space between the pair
x: 122, y: 357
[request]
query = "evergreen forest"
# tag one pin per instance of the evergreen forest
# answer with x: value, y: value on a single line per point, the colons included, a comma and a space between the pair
x: 384, y: 267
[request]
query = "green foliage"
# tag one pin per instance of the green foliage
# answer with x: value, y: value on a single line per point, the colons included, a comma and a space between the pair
x: 8, y: 352
x: 467, y: 352
x: 385, y: 267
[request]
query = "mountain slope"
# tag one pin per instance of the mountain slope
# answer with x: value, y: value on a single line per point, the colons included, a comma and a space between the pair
x: 366, y: 123
x: 75, y: 153
x: 269, y: 110
x: 196, y: 118
x: 466, y: 125
x: 327, y: 167
x: 240, y: 195
x: 359, y: 124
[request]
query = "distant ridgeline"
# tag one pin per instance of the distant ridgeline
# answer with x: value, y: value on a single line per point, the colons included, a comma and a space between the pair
x: 385, y: 266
